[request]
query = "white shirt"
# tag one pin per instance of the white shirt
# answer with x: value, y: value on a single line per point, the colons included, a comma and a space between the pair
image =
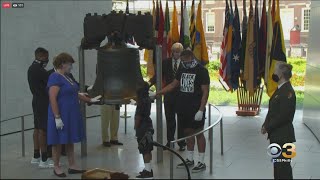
x: 174, y: 61
x: 279, y: 86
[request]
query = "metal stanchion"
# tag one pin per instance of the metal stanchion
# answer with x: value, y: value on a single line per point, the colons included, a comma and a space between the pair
x: 82, y: 104
x: 125, y: 116
x: 211, y: 142
x: 221, y: 135
x: 171, y: 161
x: 22, y: 136
x: 159, y: 102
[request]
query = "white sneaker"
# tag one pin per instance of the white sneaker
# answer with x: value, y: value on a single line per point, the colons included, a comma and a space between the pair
x: 50, y: 162
x: 44, y: 164
x: 35, y: 160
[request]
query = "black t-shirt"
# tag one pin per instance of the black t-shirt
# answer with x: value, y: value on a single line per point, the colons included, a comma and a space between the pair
x: 143, y: 110
x: 38, y: 79
x: 190, y: 93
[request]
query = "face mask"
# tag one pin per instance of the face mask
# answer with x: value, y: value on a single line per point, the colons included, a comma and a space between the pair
x: 68, y: 68
x: 275, y: 78
x: 187, y: 64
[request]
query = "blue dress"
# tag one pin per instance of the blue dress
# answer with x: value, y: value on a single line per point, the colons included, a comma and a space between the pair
x: 69, y: 108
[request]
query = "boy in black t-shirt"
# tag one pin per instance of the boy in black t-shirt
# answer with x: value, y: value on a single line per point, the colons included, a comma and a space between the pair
x: 193, y: 80
x: 142, y: 123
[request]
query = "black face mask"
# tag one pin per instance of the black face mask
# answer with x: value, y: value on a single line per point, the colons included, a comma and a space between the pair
x: 275, y: 78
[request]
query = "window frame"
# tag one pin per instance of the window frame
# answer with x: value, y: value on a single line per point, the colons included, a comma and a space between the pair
x: 302, y: 19
x: 214, y: 23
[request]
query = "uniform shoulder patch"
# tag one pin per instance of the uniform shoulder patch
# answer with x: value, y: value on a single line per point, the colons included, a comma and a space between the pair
x: 289, y: 95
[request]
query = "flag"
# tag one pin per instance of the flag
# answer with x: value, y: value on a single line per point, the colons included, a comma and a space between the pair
x: 223, y: 49
x: 200, y: 47
x: 256, y: 76
x: 174, y: 26
x: 278, y: 51
x: 263, y: 41
x: 248, y: 71
x: 181, y: 38
x: 273, y: 11
x: 165, y: 45
x: 157, y: 21
x: 127, y: 8
x: 192, y: 27
x: 236, y: 49
x: 148, y: 54
x: 268, y: 45
x: 186, y: 38
x: 243, y: 41
x: 160, y: 26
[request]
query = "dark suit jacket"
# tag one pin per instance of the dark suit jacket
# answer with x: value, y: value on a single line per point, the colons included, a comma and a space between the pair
x: 282, y: 107
x: 167, y: 74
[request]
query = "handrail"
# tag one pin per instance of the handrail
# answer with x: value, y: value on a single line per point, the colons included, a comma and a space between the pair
x: 210, y: 129
x: 211, y: 126
x: 16, y: 117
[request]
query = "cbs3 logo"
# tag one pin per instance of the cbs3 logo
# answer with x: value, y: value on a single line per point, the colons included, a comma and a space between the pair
x: 274, y: 150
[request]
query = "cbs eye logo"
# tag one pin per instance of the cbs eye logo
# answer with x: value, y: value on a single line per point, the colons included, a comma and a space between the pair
x: 274, y: 150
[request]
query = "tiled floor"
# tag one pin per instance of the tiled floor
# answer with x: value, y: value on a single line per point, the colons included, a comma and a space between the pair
x: 244, y: 151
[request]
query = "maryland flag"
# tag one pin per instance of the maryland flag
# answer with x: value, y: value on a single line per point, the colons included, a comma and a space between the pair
x: 278, y: 51
x: 148, y: 54
x: 200, y: 46
x: 192, y: 28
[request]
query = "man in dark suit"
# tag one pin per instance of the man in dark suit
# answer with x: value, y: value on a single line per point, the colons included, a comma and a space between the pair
x: 169, y: 68
x: 278, y: 123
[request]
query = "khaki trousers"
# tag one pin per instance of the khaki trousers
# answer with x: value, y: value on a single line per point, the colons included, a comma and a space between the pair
x: 109, y: 118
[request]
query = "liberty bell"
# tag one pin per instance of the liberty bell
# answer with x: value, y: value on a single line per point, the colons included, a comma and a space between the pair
x: 118, y: 64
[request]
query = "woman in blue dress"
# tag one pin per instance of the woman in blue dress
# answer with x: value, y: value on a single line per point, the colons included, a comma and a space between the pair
x: 65, y: 124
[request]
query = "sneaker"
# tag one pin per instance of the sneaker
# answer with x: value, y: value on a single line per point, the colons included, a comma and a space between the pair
x: 44, y: 164
x: 145, y: 175
x: 199, y: 167
x: 188, y: 162
x: 50, y: 162
x: 35, y: 160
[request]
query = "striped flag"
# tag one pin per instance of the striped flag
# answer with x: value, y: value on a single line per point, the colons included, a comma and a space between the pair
x: 192, y: 27
x: 278, y: 51
x: 165, y: 45
x: 269, y: 44
x: 200, y: 47
x: 223, y: 58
